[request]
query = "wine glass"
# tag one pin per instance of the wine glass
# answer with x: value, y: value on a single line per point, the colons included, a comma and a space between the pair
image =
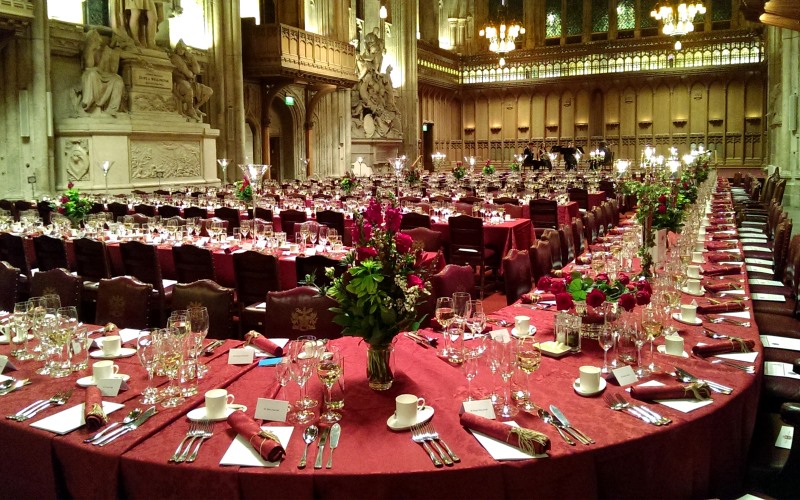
x: 461, y: 306
x: 653, y: 323
x: 444, y: 315
x: 528, y: 359
x: 244, y: 228
x: 18, y: 334
x: 65, y: 322
x: 605, y: 337
x: 147, y: 351
x: 283, y: 373
x: 171, y: 361
x: 302, y: 364
x: 639, y: 336
x: 313, y: 233
x: 323, y: 236
x: 470, y: 372
x: 329, y: 368
x: 503, y: 351
x: 198, y: 330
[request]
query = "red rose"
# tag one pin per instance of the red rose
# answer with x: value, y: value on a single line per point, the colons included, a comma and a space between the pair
x: 393, y: 219
x: 62, y: 210
x: 245, y: 183
x: 627, y: 301
x: 374, y: 213
x: 403, y: 242
x: 414, y: 280
x: 558, y: 286
x: 364, y: 253
x: 601, y: 278
x: 595, y: 298
x: 564, y: 301
x: 64, y: 199
x: 642, y: 298
x: 623, y: 278
x: 544, y: 283
x: 70, y: 185
x: 662, y: 209
x: 644, y: 286
x: 662, y: 198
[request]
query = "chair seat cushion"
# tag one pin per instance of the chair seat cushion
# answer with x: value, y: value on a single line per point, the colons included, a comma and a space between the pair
x: 775, y: 308
x: 779, y: 325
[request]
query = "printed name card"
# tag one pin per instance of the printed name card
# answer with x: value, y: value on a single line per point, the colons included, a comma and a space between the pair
x: 751, y: 248
x: 501, y: 334
x: 3, y: 363
x: 482, y: 408
x: 240, y: 356
x: 625, y: 375
x: 763, y: 262
x: 272, y: 409
x: 758, y: 269
x: 768, y: 297
x: 757, y: 281
x: 110, y: 387
x: 785, y: 437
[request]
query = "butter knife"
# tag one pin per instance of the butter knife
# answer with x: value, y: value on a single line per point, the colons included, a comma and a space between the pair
x: 127, y: 427
x: 336, y: 430
x: 565, y: 422
x: 321, y: 448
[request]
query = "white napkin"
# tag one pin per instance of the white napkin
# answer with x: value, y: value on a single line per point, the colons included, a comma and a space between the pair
x: 737, y: 314
x: 747, y: 357
x: 754, y: 239
x: 778, y: 369
x: 261, y: 354
x: 500, y: 450
x: 70, y: 419
x: 753, y: 248
x: 757, y: 281
x: 750, y: 229
x: 780, y: 342
x: 768, y: 297
x: 240, y: 452
x: 732, y: 250
x: 682, y: 405
x: 128, y: 334
x: 758, y: 269
x: 168, y: 283
x: 763, y: 262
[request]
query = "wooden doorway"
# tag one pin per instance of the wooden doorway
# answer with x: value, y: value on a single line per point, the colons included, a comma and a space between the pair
x: 427, y: 146
x: 275, y: 157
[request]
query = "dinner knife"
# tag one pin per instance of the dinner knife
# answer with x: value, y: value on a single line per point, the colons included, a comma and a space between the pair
x: 722, y: 389
x: 565, y: 422
x: 336, y: 430
x: 127, y: 427
x: 321, y: 448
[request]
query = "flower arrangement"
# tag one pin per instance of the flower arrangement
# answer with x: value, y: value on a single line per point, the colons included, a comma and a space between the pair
x: 626, y: 292
x: 348, y: 183
x: 488, y: 169
x: 413, y: 175
x: 514, y: 167
x: 72, y: 205
x: 459, y: 171
x: 244, y: 191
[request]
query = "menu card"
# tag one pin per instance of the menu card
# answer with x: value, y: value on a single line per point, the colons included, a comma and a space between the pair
x: 778, y: 369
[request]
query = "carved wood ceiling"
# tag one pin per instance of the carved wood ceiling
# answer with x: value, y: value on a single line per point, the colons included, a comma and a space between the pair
x: 780, y: 13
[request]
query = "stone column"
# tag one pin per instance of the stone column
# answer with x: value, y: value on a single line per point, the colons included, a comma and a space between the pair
x: 788, y: 144
x: 41, y: 160
x: 404, y: 20
x: 429, y: 22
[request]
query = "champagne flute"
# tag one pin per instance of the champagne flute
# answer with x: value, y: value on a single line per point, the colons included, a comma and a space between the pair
x: 171, y: 360
x: 329, y: 369
x: 504, y: 352
x: 444, y: 315
x: 639, y: 338
x: 147, y: 351
x: 198, y: 330
x: 323, y: 236
x: 528, y: 358
x: 470, y: 372
x: 282, y: 373
x: 653, y: 323
x: 18, y: 333
x: 301, y: 365
x: 605, y: 338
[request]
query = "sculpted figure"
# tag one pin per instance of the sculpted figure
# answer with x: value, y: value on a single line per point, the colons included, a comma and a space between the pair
x: 190, y: 93
x: 102, y: 87
x: 139, y: 19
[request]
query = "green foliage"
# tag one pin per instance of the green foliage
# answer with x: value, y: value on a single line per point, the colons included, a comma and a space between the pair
x: 72, y: 205
x: 244, y: 191
x: 459, y: 172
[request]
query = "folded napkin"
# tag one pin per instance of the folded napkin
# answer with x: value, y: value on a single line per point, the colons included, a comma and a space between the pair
x: 93, y: 409
x: 254, y: 338
x: 232, y: 248
x: 721, y: 286
x: 731, y: 306
x: 264, y: 442
x: 723, y: 236
x: 533, y: 298
x: 695, y: 390
x: 527, y: 440
x: 723, y: 257
x: 721, y: 270
x: 732, y: 345
x: 714, y: 228
x: 721, y: 245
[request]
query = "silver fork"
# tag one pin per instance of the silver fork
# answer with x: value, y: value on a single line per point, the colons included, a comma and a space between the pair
x: 744, y: 368
x: 206, y: 432
x: 426, y: 434
x: 660, y: 420
x: 417, y: 437
x: 59, y: 399
x: 190, y: 433
x: 195, y: 433
x: 626, y: 408
x: 435, y: 435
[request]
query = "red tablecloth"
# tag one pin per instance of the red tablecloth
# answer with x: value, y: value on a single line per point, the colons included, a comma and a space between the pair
x: 502, y: 237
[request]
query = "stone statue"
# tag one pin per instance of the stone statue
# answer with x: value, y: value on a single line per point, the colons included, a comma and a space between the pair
x: 189, y: 93
x: 139, y: 19
x: 374, y: 110
x: 102, y: 86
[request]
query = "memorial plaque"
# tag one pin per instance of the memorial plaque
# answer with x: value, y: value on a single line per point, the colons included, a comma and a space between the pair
x: 152, y: 78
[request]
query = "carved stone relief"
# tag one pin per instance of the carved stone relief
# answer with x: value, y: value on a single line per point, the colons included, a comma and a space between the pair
x: 76, y: 158
x: 374, y: 108
x: 165, y: 159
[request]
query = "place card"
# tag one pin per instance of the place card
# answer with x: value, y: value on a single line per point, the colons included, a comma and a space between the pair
x: 778, y: 369
x: 3, y: 363
x: 758, y: 269
x: 501, y: 334
x: 242, y: 453
x: 270, y: 361
x: 480, y: 407
x: 70, y: 419
x: 780, y: 342
x: 785, y: 437
x: 768, y: 297
x: 764, y: 262
x: 128, y: 334
x: 109, y: 387
x: 682, y: 405
x: 732, y: 250
x: 625, y: 375
x: 758, y: 281
x: 272, y: 409
x: 753, y: 240
x: 241, y: 356
x: 500, y: 450
x: 747, y: 229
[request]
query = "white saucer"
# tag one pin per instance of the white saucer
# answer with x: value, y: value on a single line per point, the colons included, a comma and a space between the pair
x: 531, y: 332
x: 663, y: 350
x: 89, y: 381
x: 423, y: 415
x: 577, y: 386
x: 124, y: 352
x: 677, y: 317
x: 696, y: 294
x: 200, y: 413
x: 4, y: 338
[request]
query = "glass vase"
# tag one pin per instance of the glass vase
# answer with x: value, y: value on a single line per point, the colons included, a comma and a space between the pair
x: 380, y: 366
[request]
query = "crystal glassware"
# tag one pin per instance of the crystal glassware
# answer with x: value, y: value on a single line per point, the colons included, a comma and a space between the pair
x: 147, y: 351
x: 329, y: 369
x: 528, y: 358
x: 503, y: 351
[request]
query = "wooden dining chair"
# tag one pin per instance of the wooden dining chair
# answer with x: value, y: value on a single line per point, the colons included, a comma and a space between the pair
x: 289, y: 218
x: 425, y: 239
x: 300, y: 311
x: 544, y: 214
x: 167, y: 211
x: 556, y: 256
x: 316, y: 265
x: 540, y: 259
x: 117, y: 210
x: 193, y: 263
x: 9, y: 286
x: 218, y: 300
x: 589, y: 227
x: 411, y: 220
x: 467, y: 247
x: 580, y: 196
x: 51, y: 253
x: 124, y: 301
x: 578, y: 236
x: 453, y: 278
x: 140, y: 260
x: 516, y: 274
x: 506, y: 200
x: 264, y: 213
x: 256, y: 274
x: 45, y: 210
x: 145, y: 209
x: 58, y: 282
x: 332, y: 219
x: 228, y: 214
x: 193, y: 211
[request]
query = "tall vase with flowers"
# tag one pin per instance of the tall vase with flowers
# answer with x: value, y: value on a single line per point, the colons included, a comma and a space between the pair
x: 72, y: 205
x: 459, y: 172
x: 379, y: 292
x: 244, y: 192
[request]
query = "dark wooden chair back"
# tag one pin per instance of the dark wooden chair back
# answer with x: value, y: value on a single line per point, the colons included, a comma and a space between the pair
x: 58, y: 282
x: 289, y: 218
x: 124, y: 301
x: 316, y: 265
x: 517, y: 274
x: 193, y: 263
x: 301, y: 311
x: 218, y: 300
x: 91, y: 259
x: 9, y: 286
x: 51, y: 253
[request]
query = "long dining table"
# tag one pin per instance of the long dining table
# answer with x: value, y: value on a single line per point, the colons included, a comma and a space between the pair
x: 700, y: 454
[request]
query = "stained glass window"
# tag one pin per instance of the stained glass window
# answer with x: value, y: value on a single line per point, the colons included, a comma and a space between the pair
x: 553, y: 19
x: 626, y: 16
x: 575, y: 19
x: 721, y: 10
x: 599, y: 16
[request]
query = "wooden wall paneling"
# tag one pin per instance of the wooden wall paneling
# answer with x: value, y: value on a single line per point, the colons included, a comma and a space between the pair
x: 735, y: 121
x: 510, y: 119
x: 597, y: 122
x: 552, y: 116
x: 583, y: 109
x: 537, y: 115
x: 679, y: 106
x: 716, y: 108
x: 524, y: 117
x: 661, y: 111
x: 482, y: 104
x: 611, y: 113
x: 628, y: 120
x: 698, y: 109
x: 754, y: 118
x: 567, y: 126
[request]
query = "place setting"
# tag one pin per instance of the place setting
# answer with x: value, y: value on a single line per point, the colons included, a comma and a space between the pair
x: 103, y: 371
x: 111, y: 348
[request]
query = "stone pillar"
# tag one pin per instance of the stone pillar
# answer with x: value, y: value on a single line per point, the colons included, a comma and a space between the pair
x: 41, y: 160
x: 404, y: 20
x: 429, y: 22
x: 788, y: 144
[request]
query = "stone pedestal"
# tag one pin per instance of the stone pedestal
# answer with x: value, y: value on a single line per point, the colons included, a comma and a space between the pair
x: 375, y: 152
x: 148, y: 81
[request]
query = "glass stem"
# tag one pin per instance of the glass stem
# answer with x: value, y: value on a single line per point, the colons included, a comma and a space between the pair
x: 605, y: 360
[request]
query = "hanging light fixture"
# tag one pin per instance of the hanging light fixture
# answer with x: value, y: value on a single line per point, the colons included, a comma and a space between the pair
x: 677, y: 20
x: 502, y: 37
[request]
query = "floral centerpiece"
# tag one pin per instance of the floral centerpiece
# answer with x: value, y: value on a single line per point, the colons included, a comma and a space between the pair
x: 488, y: 169
x: 413, y: 175
x: 514, y: 167
x: 379, y: 292
x: 459, y: 171
x: 244, y: 191
x: 348, y: 183
x: 72, y: 205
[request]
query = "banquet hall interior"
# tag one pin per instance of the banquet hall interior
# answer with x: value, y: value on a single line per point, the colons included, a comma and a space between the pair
x: 234, y: 116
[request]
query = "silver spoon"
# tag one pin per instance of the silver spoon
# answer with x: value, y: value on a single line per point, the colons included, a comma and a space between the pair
x: 15, y: 384
x: 309, y: 435
x: 133, y: 415
x: 6, y: 384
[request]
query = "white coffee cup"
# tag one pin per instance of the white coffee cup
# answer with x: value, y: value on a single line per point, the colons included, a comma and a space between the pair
x: 693, y: 272
x: 294, y: 248
x: 693, y: 285
x: 522, y: 324
x: 590, y: 378
x: 112, y: 345
x: 406, y: 408
x: 217, y: 401
x: 689, y: 313
x: 673, y: 344
x: 697, y: 257
x: 104, y: 370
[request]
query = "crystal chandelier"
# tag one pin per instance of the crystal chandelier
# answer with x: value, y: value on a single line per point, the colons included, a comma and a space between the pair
x: 502, y: 38
x: 677, y: 20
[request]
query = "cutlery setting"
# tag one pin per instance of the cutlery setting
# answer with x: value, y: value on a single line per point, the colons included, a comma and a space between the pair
x: 617, y: 402
x: 687, y: 377
x: 745, y: 368
x: 130, y: 417
x: 200, y: 430
x: 126, y: 428
x: 31, y: 410
x: 12, y: 385
x: 328, y: 436
x: 426, y: 433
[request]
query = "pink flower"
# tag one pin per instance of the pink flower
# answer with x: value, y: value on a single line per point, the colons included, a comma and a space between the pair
x: 62, y: 210
x: 564, y: 301
x: 403, y: 242
x: 627, y: 301
x: 364, y: 253
x: 558, y: 286
x: 414, y: 280
x: 644, y: 285
x: 662, y: 209
x: 642, y: 298
x: 623, y: 278
x: 662, y: 198
x: 595, y: 298
x: 64, y: 199
x: 393, y: 219
x: 374, y: 213
x: 544, y: 283
x: 601, y: 278
x: 366, y: 231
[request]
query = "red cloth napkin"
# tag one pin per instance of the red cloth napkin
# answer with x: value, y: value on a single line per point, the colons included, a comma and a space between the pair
x: 731, y: 306
x: 721, y: 270
x: 263, y: 343
x: 721, y: 245
x: 232, y: 248
x: 93, y: 409
x: 720, y: 220
x: 723, y: 347
x: 527, y: 440
x: 670, y: 391
x: 719, y: 228
x: 264, y: 442
x: 725, y: 236
x: 532, y: 298
x: 723, y: 257
x: 721, y: 286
